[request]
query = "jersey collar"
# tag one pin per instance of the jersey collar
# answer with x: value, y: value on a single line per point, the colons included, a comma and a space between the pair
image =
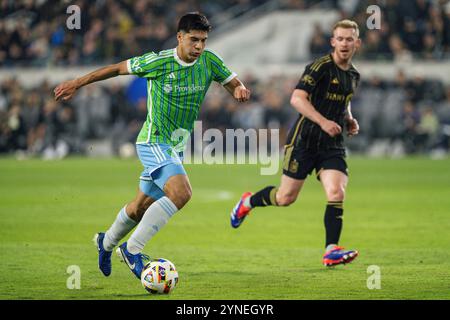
x: 183, y: 63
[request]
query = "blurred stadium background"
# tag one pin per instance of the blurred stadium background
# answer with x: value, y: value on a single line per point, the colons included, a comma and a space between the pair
x: 403, y: 103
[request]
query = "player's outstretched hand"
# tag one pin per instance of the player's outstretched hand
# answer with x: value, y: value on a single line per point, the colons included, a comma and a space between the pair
x: 241, y: 94
x: 65, y: 90
x: 352, y: 127
x: 331, y: 127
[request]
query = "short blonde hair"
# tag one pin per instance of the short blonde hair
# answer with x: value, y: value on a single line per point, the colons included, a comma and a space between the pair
x: 347, y: 24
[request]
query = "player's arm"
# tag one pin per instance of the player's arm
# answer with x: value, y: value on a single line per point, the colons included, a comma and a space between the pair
x: 237, y: 89
x: 223, y: 75
x: 300, y: 102
x: 352, y: 123
x: 67, y: 89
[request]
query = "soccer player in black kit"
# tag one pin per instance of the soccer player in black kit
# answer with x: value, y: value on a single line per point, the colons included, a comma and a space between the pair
x: 322, y: 98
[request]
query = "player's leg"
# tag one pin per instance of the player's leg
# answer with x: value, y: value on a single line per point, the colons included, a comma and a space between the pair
x: 130, y: 215
x: 297, y: 164
x: 173, y: 180
x: 334, y: 179
x: 151, y: 207
x: 127, y: 218
x: 136, y: 208
x: 284, y: 195
x: 177, y: 192
x: 334, y: 183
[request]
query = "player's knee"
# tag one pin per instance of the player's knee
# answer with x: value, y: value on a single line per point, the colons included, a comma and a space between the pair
x: 135, y: 211
x: 286, y: 199
x: 183, y: 198
x: 336, y: 193
x: 187, y: 195
x: 180, y: 197
x: 141, y: 208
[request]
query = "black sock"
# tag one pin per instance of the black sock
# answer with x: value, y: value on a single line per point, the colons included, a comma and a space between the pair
x: 333, y: 222
x: 264, y: 197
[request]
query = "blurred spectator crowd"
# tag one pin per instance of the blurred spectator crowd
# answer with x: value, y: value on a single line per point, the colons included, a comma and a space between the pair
x: 411, y: 114
x: 34, y: 32
x: 410, y: 29
x: 402, y: 115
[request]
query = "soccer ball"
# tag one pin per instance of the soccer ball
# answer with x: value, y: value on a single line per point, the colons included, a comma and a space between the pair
x: 159, y: 276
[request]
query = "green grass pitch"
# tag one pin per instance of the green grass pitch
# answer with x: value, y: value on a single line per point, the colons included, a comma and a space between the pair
x: 397, y: 214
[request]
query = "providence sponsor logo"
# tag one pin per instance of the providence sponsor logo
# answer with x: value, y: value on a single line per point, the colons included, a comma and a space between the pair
x: 190, y: 89
x: 167, y: 88
x: 182, y: 89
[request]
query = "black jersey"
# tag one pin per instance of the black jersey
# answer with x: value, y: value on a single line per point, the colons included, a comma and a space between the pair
x: 330, y: 89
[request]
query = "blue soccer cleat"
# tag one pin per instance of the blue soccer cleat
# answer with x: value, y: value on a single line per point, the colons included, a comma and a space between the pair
x: 338, y: 255
x: 104, y: 257
x: 134, y: 261
x: 240, y: 211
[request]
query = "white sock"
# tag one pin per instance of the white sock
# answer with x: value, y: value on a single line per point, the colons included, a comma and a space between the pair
x: 119, y: 229
x: 153, y: 220
x: 329, y: 247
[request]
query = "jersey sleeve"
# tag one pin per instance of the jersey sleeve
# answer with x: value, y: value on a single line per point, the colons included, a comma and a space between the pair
x: 311, y: 76
x: 220, y: 71
x: 143, y: 66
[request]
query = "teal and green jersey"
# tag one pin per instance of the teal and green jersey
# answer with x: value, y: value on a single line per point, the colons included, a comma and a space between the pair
x: 175, y: 90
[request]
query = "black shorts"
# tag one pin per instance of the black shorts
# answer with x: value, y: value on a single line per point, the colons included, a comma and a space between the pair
x: 299, y: 162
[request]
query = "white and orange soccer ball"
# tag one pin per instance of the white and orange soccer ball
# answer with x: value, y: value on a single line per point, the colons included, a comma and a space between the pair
x: 159, y: 276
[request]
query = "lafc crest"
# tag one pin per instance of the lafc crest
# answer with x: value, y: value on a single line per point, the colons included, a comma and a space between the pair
x: 293, y: 166
x: 307, y: 79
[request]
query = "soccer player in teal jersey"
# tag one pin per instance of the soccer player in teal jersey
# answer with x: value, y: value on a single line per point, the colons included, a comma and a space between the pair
x: 177, y: 82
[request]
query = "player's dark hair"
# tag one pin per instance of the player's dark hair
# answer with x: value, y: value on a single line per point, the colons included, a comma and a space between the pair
x: 193, y: 21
